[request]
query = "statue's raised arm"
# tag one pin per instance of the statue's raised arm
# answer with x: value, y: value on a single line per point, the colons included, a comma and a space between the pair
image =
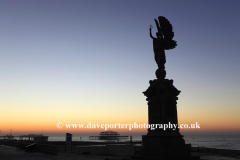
x: 150, y: 30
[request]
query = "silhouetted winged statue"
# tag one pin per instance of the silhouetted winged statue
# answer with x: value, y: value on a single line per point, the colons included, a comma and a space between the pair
x: 163, y: 41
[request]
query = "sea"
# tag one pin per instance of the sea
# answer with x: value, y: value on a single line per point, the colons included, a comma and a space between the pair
x: 209, y: 141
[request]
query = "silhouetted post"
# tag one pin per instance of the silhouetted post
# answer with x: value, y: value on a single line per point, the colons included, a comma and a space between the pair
x: 162, y: 143
x: 68, y: 141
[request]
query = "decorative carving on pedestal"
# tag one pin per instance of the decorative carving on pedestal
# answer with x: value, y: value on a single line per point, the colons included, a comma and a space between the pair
x: 162, y: 99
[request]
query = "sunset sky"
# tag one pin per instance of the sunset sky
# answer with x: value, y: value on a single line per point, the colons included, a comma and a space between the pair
x: 79, y: 61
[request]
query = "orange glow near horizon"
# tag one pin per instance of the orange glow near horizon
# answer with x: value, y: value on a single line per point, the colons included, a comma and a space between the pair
x: 25, y: 120
x: 36, y: 127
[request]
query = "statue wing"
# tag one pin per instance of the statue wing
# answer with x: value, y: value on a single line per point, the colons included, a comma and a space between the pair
x: 158, y: 27
x: 169, y: 44
x: 168, y: 33
x: 166, y: 28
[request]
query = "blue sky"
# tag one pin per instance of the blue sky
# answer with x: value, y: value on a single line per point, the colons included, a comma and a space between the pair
x: 97, y: 56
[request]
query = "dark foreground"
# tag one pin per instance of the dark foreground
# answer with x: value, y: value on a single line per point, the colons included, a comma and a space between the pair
x: 11, y: 153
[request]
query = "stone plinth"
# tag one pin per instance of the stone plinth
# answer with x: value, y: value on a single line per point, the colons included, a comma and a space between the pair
x: 161, y: 143
x: 164, y: 146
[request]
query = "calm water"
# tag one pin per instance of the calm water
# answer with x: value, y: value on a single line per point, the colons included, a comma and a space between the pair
x: 210, y: 141
x: 215, y: 141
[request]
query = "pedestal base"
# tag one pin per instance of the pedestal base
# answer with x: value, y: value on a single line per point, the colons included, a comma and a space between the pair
x: 164, y: 146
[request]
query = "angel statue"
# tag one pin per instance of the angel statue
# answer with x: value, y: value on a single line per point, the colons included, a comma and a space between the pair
x: 162, y: 42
